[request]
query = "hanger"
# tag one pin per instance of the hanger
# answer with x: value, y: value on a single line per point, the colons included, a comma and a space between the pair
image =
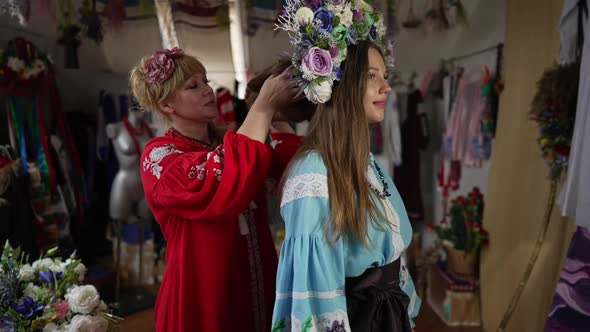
x: 6, y: 152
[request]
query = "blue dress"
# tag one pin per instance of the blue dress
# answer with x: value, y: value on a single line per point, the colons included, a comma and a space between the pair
x: 311, y: 275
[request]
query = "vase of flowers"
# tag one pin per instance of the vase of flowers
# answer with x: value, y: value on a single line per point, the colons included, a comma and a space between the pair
x: 464, y: 235
x: 48, y: 295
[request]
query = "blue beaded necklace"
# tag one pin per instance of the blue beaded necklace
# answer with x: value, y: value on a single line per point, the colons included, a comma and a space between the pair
x: 385, y: 192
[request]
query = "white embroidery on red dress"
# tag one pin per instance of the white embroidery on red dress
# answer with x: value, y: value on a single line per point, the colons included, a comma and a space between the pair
x: 152, y: 161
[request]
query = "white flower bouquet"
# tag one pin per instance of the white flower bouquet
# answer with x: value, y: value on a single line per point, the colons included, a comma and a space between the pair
x: 47, y: 295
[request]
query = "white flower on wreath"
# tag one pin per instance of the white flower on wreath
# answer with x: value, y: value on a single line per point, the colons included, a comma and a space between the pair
x: 344, y: 12
x: 88, y: 323
x: 83, y: 299
x: 304, y: 15
x: 318, y: 93
x: 26, y: 273
x: 307, y: 74
x: 380, y: 27
x: 15, y: 64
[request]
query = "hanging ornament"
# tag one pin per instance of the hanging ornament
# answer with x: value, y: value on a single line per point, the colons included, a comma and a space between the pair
x: 146, y: 8
x: 392, y: 22
x: 17, y: 8
x: 436, y: 16
x: 115, y: 12
x: 459, y: 11
x: 90, y: 21
x: 70, y: 34
x: 412, y: 21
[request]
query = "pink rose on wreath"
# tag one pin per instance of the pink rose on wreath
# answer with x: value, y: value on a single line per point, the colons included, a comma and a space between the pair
x: 161, y: 65
x: 318, y: 61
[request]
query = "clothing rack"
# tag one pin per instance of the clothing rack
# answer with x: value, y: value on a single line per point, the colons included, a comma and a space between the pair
x: 498, y: 47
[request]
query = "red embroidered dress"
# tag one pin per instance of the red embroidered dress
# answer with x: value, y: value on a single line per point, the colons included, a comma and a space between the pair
x: 211, y: 206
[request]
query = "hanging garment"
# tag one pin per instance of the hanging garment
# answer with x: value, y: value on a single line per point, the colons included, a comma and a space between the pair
x: 415, y: 136
x: 463, y: 137
x: 575, y: 197
x: 570, y: 310
x: 225, y: 108
x: 16, y: 214
x: 392, y: 140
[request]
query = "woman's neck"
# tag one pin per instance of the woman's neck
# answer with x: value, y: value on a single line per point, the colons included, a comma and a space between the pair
x: 196, y: 131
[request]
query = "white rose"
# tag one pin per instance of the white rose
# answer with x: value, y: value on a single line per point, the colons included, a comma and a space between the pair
x: 26, y: 273
x: 31, y: 291
x: 83, y: 299
x: 304, y: 15
x: 318, y: 93
x: 52, y: 327
x: 87, y: 323
x: 80, y: 270
x: 44, y: 264
x: 346, y: 17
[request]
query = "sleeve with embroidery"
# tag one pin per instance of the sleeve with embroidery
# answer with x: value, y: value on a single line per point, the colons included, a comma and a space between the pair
x: 407, y: 285
x: 206, y: 186
x: 310, y: 279
x: 284, y: 145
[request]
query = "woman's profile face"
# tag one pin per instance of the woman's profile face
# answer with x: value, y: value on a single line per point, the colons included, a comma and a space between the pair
x: 377, y: 87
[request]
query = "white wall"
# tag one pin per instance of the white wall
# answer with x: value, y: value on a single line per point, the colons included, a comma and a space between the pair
x: 104, y: 66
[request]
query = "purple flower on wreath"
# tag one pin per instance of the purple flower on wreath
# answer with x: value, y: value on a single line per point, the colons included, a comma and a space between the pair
x: 315, y: 4
x: 334, y: 51
x: 357, y: 15
x: 337, y: 326
x: 28, y: 308
x: 49, y: 276
x: 338, y: 72
x: 324, y: 17
x: 318, y: 61
x: 373, y: 33
x: 352, y: 36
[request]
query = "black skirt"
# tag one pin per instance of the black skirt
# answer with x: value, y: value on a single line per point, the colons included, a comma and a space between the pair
x: 375, y: 301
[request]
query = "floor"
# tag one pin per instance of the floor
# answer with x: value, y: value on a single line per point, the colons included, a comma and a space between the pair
x: 427, y: 321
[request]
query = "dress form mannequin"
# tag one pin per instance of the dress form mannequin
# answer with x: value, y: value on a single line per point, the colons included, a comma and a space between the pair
x: 127, y: 200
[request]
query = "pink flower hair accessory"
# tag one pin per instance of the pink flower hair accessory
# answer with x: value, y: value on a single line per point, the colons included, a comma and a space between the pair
x: 160, y: 66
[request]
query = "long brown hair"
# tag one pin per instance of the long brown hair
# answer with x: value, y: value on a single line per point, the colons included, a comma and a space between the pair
x: 297, y: 111
x: 339, y: 132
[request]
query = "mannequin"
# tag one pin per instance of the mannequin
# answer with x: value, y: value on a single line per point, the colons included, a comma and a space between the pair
x: 127, y: 201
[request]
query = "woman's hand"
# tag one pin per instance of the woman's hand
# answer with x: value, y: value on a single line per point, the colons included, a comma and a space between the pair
x: 276, y: 93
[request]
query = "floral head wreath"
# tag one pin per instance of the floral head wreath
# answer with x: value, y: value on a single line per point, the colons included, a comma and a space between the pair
x: 320, y: 31
x: 160, y: 65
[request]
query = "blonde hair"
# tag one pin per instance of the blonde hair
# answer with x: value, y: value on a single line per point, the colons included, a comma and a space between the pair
x: 339, y: 132
x: 149, y: 95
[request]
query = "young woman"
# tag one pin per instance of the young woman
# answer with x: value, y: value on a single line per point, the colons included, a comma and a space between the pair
x: 341, y: 266
x: 209, y: 197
